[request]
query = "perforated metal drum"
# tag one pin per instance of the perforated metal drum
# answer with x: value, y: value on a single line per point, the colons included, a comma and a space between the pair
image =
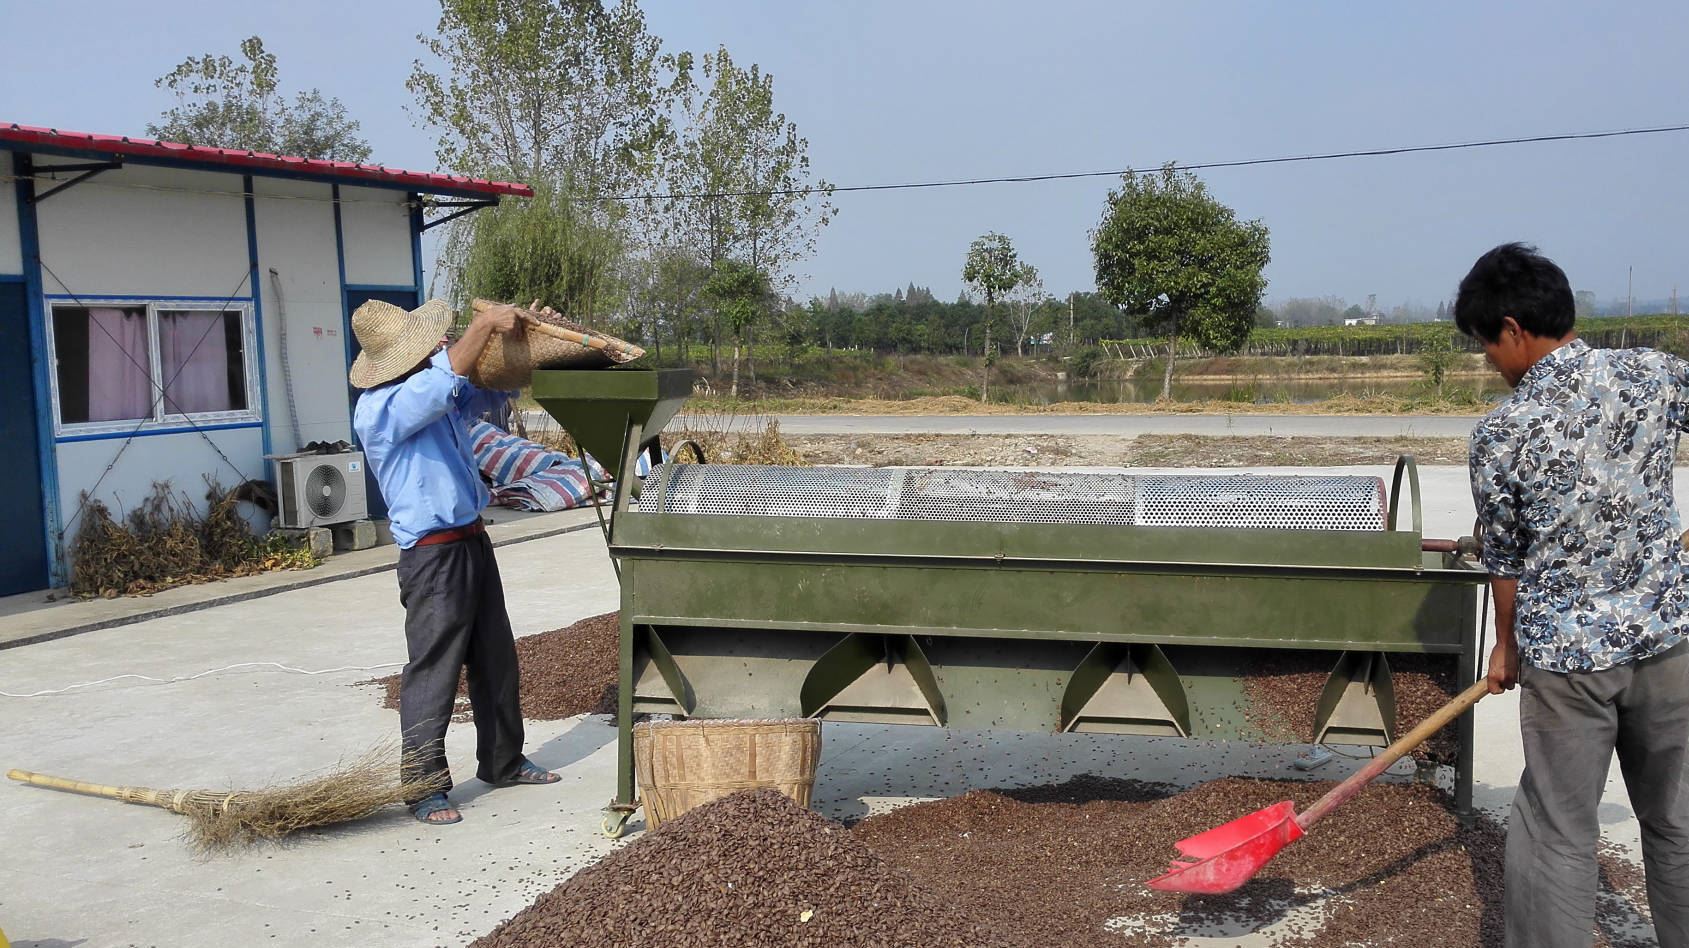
x: 1233, y: 500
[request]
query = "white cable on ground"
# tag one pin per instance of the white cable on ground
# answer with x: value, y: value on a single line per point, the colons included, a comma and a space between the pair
x: 171, y: 681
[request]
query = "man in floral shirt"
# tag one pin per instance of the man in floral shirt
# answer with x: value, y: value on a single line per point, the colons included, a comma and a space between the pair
x: 1572, y: 480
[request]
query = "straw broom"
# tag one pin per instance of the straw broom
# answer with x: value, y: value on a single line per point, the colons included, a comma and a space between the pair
x: 355, y: 789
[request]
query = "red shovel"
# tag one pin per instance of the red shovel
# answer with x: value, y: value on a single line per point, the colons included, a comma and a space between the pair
x: 1227, y: 856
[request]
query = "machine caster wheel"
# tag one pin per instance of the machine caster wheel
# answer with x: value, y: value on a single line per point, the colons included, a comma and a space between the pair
x: 615, y: 824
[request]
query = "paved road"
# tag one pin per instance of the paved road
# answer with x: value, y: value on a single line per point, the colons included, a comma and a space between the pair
x: 1327, y: 426
x: 1322, y: 426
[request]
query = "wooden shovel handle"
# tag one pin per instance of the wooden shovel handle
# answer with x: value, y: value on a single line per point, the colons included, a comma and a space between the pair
x: 1340, y: 794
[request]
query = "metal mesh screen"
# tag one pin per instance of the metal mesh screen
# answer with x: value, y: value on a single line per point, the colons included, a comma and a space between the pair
x: 1186, y: 500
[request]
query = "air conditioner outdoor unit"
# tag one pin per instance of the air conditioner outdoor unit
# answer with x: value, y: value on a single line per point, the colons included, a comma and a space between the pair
x: 317, y: 490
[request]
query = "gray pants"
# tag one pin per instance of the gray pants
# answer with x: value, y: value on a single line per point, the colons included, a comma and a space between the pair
x: 1572, y: 724
x: 454, y: 616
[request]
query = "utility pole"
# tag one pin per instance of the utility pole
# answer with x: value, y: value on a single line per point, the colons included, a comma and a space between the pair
x: 1629, y: 294
x: 1072, y: 293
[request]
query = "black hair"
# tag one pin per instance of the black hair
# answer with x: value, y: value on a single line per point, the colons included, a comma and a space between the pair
x: 1514, y: 280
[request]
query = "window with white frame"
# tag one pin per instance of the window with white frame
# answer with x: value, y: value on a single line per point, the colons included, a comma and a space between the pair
x: 124, y: 365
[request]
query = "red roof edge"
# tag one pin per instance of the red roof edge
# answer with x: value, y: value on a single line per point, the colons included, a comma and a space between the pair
x: 423, y: 181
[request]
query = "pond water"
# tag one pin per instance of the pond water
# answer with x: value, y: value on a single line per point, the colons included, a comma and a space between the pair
x: 1248, y: 389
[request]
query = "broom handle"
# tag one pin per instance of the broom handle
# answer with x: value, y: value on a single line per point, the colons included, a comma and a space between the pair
x: 143, y: 795
x: 1340, y: 794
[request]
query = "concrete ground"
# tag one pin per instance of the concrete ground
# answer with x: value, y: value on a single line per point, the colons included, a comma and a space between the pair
x: 83, y: 872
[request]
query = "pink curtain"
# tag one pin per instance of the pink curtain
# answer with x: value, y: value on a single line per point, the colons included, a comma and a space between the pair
x: 194, y: 355
x: 119, y: 387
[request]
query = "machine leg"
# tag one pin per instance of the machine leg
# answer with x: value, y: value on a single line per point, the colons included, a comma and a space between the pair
x: 621, y: 808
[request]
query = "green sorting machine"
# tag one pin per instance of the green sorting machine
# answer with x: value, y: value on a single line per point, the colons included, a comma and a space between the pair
x: 1113, y: 603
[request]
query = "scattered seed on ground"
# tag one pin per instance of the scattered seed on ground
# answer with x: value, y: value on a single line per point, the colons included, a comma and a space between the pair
x: 1284, y: 688
x: 1067, y: 865
x: 750, y: 869
x: 1053, y: 865
x: 565, y: 672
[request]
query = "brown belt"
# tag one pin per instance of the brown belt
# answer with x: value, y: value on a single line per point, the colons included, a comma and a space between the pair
x: 454, y: 534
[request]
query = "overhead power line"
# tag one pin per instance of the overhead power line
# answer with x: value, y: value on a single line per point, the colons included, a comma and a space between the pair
x: 1199, y: 166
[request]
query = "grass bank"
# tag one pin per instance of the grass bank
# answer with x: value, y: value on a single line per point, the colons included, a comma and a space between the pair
x: 1456, y: 403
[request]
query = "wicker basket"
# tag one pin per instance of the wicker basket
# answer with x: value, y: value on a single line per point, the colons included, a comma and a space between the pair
x: 544, y: 341
x: 684, y: 764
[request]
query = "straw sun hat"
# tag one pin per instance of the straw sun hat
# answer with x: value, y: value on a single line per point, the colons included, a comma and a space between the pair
x: 394, y: 340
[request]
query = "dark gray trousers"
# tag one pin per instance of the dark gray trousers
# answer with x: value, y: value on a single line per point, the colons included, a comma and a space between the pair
x: 454, y: 617
x: 1572, y: 724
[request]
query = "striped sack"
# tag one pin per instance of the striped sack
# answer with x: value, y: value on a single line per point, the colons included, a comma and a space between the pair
x: 526, y: 475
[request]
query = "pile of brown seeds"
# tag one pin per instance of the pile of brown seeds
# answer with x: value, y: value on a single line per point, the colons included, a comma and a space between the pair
x: 1054, y: 865
x: 1392, y: 866
x: 1068, y: 864
x: 565, y: 672
x: 750, y: 869
x: 1283, y: 689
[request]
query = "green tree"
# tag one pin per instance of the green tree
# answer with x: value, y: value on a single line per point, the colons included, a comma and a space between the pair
x: 227, y: 104
x: 534, y: 88
x: 745, y: 171
x: 1437, y: 355
x: 1167, y: 248
x: 571, y: 95
x: 665, y: 287
x: 993, y: 269
x: 1023, y: 302
x: 739, y: 293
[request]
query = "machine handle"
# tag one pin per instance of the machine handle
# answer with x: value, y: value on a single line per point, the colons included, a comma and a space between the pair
x: 697, y: 450
x: 1406, y: 462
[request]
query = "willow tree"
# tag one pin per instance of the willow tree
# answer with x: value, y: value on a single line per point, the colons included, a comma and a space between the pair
x: 1168, y: 249
x: 573, y: 96
x: 549, y: 248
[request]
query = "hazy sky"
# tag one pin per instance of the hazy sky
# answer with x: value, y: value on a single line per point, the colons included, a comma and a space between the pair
x: 909, y: 90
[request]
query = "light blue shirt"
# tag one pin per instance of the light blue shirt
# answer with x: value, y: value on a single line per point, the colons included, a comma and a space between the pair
x: 417, y: 445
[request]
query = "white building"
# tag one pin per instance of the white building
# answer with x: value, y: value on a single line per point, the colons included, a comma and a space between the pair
x: 171, y: 313
x: 1371, y: 320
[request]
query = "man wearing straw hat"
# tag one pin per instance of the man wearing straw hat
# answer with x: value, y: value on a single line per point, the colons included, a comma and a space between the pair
x: 410, y: 421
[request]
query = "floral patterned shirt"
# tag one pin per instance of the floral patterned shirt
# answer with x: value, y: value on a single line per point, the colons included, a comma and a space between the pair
x: 1572, y: 480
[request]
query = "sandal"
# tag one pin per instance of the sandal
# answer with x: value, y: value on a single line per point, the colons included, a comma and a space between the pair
x: 530, y: 773
x: 425, y: 809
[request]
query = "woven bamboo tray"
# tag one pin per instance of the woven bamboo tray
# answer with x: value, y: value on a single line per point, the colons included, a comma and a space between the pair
x: 685, y: 764
x: 543, y: 340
